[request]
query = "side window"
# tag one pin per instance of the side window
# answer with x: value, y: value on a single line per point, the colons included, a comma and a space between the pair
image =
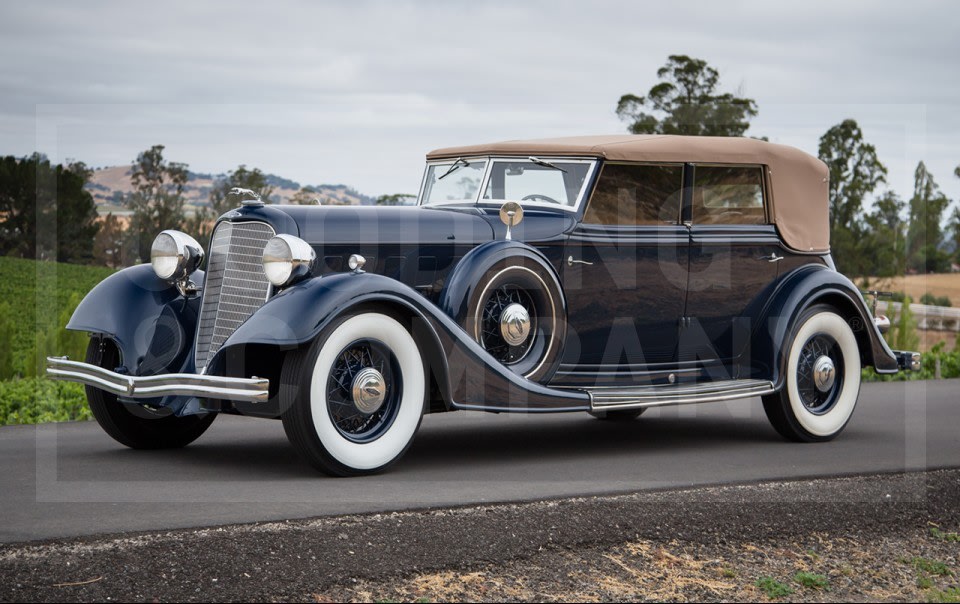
x: 629, y: 195
x: 728, y: 195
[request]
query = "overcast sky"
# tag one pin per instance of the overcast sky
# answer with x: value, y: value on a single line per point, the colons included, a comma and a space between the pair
x: 358, y: 92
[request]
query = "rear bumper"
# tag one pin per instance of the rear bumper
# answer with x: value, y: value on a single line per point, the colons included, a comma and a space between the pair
x: 907, y: 361
x: 177, y: 384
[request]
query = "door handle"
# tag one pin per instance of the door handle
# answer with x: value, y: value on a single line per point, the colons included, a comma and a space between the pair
x: 771, y: 258
x: 571, y: 261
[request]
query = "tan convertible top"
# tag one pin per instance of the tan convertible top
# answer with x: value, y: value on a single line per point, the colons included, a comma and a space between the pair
x: 798, y: 181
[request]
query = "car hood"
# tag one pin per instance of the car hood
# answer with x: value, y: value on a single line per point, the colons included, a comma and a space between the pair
x: 330, y: 225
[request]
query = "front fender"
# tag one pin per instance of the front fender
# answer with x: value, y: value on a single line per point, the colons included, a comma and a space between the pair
x: 468, y: 377
x: 136, y: 309
x: 797, y: 291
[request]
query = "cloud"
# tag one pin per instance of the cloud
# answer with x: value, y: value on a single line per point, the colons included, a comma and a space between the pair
x: 358, y: 92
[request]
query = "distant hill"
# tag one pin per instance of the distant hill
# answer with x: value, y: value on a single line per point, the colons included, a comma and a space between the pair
x: 109, y: 186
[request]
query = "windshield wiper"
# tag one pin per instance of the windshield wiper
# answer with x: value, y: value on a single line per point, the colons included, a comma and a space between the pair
x: 456, y: 164
x: 545, y: 164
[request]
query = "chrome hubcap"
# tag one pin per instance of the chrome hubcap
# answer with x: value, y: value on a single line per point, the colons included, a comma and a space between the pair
x: 515, y: 324
x: 369, y: 390
x: 824, y: 373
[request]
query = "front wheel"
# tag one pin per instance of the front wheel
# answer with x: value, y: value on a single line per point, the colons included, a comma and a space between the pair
x: 822, y: 379
x: 354, y: 399
x: 133, y: 425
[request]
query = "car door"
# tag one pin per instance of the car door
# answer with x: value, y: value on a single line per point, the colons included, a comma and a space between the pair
x: 624, y: 277
x: 734, y: 259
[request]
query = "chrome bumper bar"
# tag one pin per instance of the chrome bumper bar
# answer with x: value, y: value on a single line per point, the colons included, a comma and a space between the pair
x: 179, y: 384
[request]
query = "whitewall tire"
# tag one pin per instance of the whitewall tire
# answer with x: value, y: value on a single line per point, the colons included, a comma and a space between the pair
x: 822, y: 381
x: 354, y: 399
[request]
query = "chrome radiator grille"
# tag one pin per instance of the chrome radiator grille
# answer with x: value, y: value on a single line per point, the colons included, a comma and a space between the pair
x: 235, y: 286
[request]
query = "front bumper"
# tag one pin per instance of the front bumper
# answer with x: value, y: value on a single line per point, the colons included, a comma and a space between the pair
x: 253, y: 389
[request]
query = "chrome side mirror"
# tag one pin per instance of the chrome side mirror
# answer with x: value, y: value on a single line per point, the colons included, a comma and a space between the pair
x: 511, y: 214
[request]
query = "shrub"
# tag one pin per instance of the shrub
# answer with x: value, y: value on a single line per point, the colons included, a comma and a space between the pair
x: 773, y: 588
x: 39, y: 400
x: 931, y: 300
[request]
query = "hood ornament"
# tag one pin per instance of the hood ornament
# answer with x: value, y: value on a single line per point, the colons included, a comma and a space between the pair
x: 247, y: 197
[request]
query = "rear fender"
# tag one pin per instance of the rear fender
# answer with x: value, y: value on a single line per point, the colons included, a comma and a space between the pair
x: 797, y: 291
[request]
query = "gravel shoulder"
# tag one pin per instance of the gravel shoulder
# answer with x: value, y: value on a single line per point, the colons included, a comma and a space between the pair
x: 889, y: 537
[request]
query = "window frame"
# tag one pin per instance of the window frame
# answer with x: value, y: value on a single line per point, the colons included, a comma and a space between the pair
x: 478, y: 200
x: 683, y: 195
x: 764, y: 192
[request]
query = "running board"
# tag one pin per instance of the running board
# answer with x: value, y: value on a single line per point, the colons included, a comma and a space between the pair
x: 680, y: 394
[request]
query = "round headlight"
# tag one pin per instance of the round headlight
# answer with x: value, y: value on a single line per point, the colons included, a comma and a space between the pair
x: 175, y: 255
x: 287, y: 258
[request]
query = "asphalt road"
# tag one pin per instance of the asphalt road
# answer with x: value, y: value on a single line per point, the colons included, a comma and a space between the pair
x: 71, y: 479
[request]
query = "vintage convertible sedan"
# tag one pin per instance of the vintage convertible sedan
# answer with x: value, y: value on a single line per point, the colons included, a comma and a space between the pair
x: 601, y: 274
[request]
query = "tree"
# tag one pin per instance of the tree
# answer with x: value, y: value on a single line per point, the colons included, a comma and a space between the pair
x: 77, y: 220
x: 884, y: 239
x: 108, y: 244
x: 855, y: 172
x: 45, y: 210
x: 222, y: 201
x: 307, y: 196
x: 157, y: 199
x: 925, y: 234
x: 688, y: 103
x: 396, y: 199
x: 200, y: 225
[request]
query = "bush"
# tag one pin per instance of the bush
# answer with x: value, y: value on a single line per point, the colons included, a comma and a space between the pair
x: 949, y: 367
x: 931, y: 300
x: 7, y: 368
x: 39, y: 400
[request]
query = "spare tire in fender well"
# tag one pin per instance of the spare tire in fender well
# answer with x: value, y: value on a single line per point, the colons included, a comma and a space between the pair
x: 459, y: 295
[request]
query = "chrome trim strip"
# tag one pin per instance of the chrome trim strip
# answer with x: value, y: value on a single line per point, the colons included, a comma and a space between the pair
x: 614, y: 397
x: 181, y: 384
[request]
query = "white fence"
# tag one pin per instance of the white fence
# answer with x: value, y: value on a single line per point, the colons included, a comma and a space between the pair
x: 939, y: 318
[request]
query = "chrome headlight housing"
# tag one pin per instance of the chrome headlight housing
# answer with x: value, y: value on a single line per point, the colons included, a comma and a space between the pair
x: 175, y: 255
x: 286, y: 259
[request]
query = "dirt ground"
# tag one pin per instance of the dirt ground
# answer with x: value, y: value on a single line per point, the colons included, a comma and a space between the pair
x: 891, y: 537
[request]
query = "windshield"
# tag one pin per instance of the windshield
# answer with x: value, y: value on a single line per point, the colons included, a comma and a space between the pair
x: 453, y: 181
x: 534, y: 180
x: 550, y: 182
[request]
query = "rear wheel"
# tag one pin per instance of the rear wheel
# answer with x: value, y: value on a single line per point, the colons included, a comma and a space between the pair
x: 354, y: 399
x: 822, y: 379
x: 134, y: 425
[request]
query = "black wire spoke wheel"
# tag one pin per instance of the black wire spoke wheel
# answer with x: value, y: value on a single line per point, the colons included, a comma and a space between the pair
x: 491, y: 323
x: 362, y: 412
x: 820, y: 374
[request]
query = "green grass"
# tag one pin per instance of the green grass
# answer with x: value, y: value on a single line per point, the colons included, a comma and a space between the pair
x: 41, y: 296
x: 941, y: 535
x: 773, y: 588
x: 931, y: 567
x: 951, y: 594
x: 811, y: 580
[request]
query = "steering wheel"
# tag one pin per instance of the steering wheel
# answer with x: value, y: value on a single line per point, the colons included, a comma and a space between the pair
x: 534, y: 196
